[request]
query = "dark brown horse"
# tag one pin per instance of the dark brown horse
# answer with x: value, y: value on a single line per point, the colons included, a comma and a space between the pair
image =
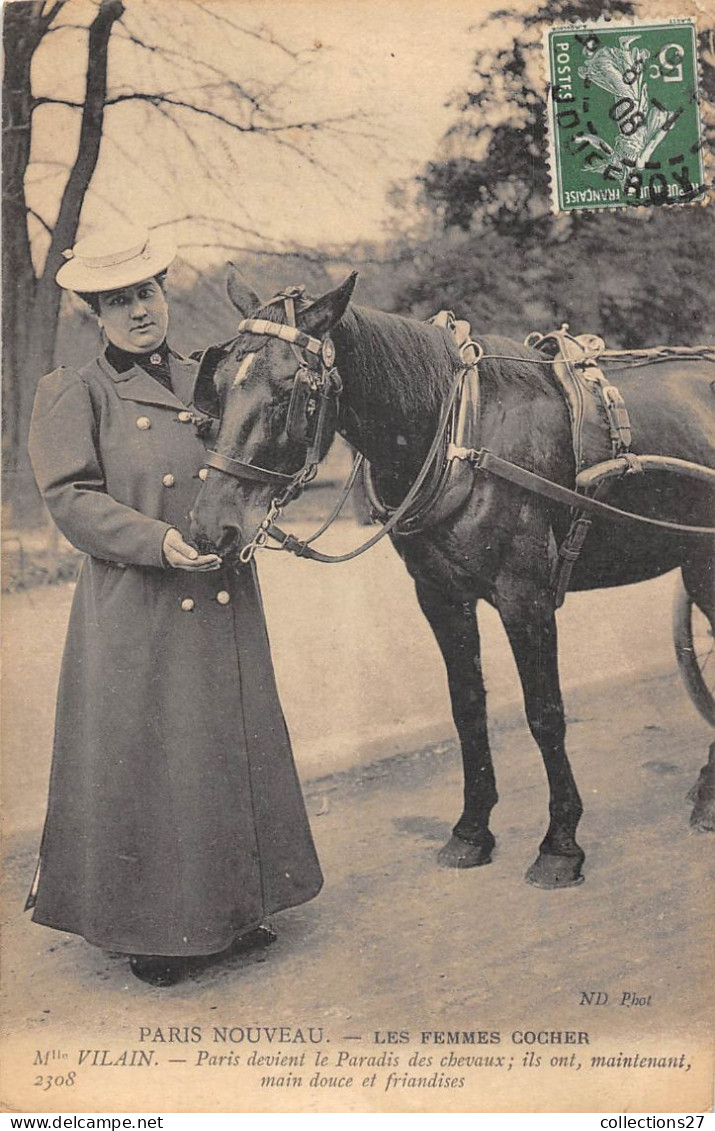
x: 499, y: 545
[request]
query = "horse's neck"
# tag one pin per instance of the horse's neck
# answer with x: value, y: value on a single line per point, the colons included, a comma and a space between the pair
x: 396, y: 372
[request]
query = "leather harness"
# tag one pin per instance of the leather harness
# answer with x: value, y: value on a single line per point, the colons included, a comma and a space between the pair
x: 442, y: 485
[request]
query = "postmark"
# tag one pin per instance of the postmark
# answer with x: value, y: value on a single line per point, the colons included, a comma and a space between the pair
x: 623, y: 115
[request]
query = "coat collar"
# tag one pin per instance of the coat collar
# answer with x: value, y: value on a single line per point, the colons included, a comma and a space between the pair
x: 136, y: 385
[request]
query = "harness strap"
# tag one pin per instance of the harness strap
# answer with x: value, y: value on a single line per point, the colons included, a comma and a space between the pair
x: 483, y: 460
x: 304, y: 550
x: 241, y: 470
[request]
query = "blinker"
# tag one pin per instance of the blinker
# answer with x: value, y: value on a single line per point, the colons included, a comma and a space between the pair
x: 206, y: 398
x: 327, y: 352
x: 304, y: 409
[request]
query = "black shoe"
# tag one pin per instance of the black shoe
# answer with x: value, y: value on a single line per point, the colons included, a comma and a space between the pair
x: 257, y: 939
x: 158, y: 969
x: 263, y: 936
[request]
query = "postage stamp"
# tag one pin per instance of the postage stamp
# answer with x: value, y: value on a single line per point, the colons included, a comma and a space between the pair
x: 623, y: 116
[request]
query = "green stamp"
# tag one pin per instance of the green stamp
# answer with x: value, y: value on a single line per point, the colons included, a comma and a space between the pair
x: 624, y: 126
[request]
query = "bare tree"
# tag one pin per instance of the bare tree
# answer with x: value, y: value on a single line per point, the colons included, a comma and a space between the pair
x: 192, y: 105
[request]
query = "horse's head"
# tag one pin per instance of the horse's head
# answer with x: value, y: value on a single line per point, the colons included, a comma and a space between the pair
x: 276, y: 391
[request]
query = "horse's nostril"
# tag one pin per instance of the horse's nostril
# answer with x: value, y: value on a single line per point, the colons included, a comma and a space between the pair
x: 205, y: 546
x: 229, y: 540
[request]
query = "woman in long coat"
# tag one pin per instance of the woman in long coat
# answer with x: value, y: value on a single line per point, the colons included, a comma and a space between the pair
x: 175, y: 821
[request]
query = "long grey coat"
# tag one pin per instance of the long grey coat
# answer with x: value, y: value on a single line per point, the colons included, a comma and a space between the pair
x: 175, y: 818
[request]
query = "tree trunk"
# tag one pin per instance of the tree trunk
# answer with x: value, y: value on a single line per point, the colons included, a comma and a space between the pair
x: 30, y: 324
x: 22, y: 34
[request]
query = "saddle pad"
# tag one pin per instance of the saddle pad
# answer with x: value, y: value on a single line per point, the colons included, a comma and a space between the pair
x: 600, y: 427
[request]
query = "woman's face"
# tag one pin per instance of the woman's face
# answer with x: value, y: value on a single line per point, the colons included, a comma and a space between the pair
x: 135, y: 318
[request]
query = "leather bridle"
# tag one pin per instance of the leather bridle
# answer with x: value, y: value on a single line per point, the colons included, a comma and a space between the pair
x: 313, y: 390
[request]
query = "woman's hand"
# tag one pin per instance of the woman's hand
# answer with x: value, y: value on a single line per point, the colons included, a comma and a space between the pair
x: 180, y: 555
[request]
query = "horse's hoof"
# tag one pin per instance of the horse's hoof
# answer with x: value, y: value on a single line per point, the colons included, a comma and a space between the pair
x: 459, y: 854
x: 702, y: 818
x: 550, y: 871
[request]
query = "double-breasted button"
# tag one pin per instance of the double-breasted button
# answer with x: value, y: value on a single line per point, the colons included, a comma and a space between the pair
x: 168, y: 480
x: 184, y: 417
x: 223, y: 597
x: 187, y: 605
x: 143, y: 423
x: 203, y: 474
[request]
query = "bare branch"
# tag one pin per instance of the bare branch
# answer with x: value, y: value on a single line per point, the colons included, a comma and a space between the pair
x: 36, y: 215
x: 50, y: 175
x: 267, y: 39
x: 48, y: 17
x: 46, y: 101
x: 191, y: 141
x: 306, y: 126
x: 269, y: 91
x: 111, y: 203
x: 168, y: 53
x: 215, y: 222
x: 159, y: 99
x: 65, y: 27
x: 310, y: 257
x: 310, y: 158
x: 170, y: 118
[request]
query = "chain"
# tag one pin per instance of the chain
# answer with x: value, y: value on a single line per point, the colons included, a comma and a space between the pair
x: 278, y: 502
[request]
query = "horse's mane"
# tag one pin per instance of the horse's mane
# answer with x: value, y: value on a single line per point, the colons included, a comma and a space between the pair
x: 409, y: 365
x: 399, y: 361
x: 414, y: 363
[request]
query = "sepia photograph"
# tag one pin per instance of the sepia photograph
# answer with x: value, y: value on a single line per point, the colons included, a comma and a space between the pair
x: 358, y: 520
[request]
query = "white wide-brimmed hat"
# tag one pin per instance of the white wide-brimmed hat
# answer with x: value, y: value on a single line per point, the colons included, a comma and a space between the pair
x: 115, y: 257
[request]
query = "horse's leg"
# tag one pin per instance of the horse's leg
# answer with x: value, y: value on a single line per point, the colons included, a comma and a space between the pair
x: 698, y: 580
x: 456, y: 631
x: 527, y: 612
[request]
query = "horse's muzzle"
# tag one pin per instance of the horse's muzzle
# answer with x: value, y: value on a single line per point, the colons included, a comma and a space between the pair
x: 225, y: 540
x: 205, y: 546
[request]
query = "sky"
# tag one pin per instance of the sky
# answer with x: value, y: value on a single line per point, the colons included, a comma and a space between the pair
x: 393, y: 65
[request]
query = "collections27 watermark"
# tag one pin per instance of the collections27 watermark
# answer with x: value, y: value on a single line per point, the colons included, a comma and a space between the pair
x: 624, y: 124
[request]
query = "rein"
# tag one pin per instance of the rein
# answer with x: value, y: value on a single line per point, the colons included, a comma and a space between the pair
x: 303, y: 548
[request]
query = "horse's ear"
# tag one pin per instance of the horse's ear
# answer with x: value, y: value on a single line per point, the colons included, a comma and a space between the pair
x: 322, y: 314
x: 243, y: 297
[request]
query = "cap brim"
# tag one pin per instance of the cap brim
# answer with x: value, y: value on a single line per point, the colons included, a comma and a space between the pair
x: 159, y: 252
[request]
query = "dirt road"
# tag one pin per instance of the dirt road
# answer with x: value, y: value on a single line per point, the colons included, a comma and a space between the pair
x: 394, y: 951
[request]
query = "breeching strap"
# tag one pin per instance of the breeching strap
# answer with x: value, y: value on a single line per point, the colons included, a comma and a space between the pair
x: 530, y: 481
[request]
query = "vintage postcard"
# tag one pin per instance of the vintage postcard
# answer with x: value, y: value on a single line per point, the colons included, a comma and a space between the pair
x: 253, y: 856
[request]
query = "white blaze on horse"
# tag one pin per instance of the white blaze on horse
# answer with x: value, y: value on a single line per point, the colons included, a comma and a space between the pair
x: 474, y: 455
